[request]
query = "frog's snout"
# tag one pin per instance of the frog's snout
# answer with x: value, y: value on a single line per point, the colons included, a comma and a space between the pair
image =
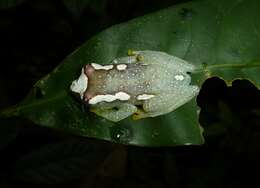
x: 80, y: 85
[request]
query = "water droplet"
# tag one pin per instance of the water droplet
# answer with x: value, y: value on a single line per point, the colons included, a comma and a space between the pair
x: 175, y: 140
x: 155, y: 134
x: 42, y: 82
x: 234, y: 51
x: 39, y: 93
x: 186, y: 13
x: 121, y: 133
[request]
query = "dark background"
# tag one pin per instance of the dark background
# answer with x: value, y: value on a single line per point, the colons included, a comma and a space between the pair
x: 36, y: 35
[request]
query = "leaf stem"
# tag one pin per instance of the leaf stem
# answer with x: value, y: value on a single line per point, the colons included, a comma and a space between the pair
x: 205, y: 67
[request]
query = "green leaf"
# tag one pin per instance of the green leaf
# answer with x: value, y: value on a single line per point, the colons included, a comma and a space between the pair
x: 220, y: 38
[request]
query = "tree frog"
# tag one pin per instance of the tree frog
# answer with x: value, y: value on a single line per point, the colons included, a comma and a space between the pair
x: 143, y: 84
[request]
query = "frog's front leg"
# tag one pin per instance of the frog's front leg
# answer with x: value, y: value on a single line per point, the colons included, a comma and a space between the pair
x: 114, y: 111
x: 166, y: 102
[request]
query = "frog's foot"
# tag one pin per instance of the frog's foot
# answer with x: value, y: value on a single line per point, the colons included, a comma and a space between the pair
x: 139, y: 114
x: 115, y: 112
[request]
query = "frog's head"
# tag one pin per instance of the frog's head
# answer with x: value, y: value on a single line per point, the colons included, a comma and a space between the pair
x: 79, y: 86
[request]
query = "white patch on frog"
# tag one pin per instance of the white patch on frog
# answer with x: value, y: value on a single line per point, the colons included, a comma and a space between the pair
x: 80, y: 85
x: 144, y: 97
x: 101, y: 67
x: 179, y: 77
x: 122, y: 96
x: 121, y: 67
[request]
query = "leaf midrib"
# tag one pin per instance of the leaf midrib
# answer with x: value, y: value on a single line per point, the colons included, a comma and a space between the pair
x: 211, y: 67
x: 15, y: 110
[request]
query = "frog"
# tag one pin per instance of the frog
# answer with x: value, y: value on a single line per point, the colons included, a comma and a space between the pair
x: 141, y: 84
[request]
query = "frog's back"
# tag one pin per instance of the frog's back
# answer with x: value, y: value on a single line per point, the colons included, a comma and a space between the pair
x: 154, y: 80
x: 151, y: 74
x: 137, y: 79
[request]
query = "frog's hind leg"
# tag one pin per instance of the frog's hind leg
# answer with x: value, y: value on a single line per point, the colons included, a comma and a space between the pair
x: 115, y: 111
x: 153, y: 107
x: 166, y: 102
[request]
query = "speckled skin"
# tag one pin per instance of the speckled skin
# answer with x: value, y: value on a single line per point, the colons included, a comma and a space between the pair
x: 147, y: 72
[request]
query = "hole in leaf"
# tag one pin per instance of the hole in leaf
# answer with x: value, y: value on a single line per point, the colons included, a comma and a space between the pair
x: 229, y: 109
